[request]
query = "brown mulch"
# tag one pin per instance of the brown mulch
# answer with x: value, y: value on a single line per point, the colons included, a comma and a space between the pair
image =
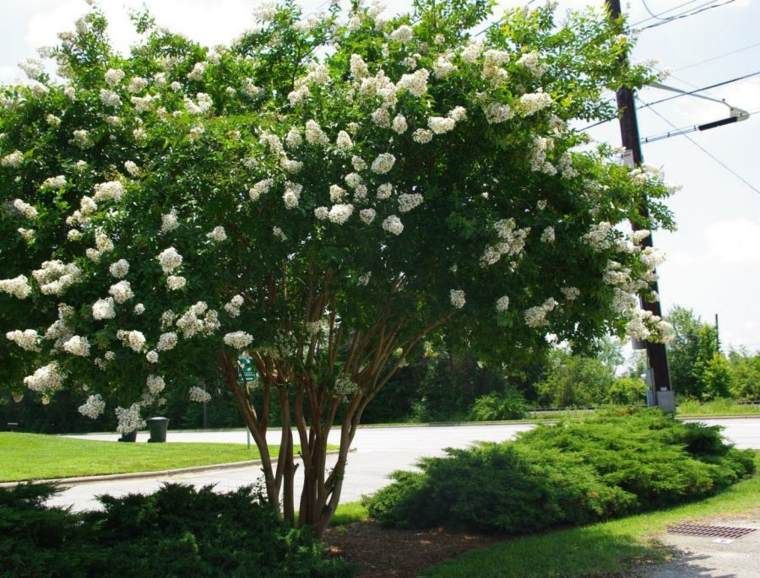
x: 389, y: 553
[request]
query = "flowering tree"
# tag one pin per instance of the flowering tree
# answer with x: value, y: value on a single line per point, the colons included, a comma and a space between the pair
x: 325, y: 196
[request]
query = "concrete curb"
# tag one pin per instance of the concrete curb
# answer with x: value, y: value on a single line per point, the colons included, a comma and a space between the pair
x: 134, y: 475
x: 137, y: 475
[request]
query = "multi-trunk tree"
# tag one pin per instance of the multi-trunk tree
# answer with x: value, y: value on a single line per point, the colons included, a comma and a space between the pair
x: 326, y: 195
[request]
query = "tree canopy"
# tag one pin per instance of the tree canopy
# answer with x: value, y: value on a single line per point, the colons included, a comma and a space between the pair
x: 324, y: 195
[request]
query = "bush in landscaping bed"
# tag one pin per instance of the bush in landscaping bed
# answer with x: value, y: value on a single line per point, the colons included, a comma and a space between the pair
x: 569, y: 473
x: 177, y: 531
x: 507, y: 404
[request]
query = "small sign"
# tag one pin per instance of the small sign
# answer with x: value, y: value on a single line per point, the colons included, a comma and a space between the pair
x: 247, y: 369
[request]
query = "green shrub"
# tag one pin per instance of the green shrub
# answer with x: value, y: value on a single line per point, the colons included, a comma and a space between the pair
x: 570, y: 473
x: 507, y: 404
x: 177, y: 531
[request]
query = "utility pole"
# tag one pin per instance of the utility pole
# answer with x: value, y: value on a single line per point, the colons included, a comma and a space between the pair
x: 658, y: 376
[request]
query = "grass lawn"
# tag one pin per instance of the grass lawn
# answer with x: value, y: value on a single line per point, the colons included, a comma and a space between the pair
x: 716, y: 408
x: 598, y: 549
x: 34, y: 456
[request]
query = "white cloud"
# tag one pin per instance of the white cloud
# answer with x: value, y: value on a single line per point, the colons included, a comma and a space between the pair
x: 734, y: 241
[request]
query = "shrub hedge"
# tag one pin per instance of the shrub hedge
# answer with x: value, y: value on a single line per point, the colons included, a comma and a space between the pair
x: 176, y: 532
x: 571, y: 473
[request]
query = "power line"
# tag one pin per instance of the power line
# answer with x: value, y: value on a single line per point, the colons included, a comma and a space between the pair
x: 716, y: 85
x: 679, y: 95
x: 704, y: 150
x: 665, y: 12
x: 694, y: 12
x: 652, y: 14
x: 692, y: 128
x: 718, y: 57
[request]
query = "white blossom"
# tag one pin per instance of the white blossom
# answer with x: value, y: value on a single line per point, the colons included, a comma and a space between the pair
x: 238, y: 339
x: 502, y: 303
x: 138, y: 309
x: 399, y: 124
x: 340, y: 213
x: 409, y: 201
x: 343, y: 141
x: 119, y: 269
x: 293, y: 139
x: 393, y: 225
x: 110, y: 190
x: 402, y: 34
x: 57, y: 182
x: 155, y: 383
x: 384, y: 191
x: 260, y: 188
x: 46, y: 379
x: 114, y: 76
x: 169, y: 259
x: 440, y: 124
x: 422, y: 136
x: 383, y: 163
x: 367, y: 215
x: 103, y: 309
x: 548, y: 235
x: 135, y: 340
x: 415, y: 83
x: 12, y: 160
x: 570, y: 293
x: 93, y: 407
x: 217, y: 234
x: 129, y: 420
x: 167, y: 341
x: 28, y: 339
x: 175, y: 282
x: 198, y: 395
x: 457, y: 298
x: 77, y: 345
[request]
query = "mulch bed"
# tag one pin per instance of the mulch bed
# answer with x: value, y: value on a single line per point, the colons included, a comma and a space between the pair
x: 385, y: 552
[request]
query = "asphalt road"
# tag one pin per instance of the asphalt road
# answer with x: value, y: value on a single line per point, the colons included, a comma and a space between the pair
x: 377, y: 453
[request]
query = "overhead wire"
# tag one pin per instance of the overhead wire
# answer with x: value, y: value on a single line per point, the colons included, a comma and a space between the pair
x: 688, y: 14
x: 704, y: 150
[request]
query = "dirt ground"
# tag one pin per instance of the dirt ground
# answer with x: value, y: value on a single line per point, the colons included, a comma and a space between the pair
x: 391, y: 553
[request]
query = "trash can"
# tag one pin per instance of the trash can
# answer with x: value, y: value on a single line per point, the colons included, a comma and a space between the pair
x: 158, y: 427
x: 129, y: 437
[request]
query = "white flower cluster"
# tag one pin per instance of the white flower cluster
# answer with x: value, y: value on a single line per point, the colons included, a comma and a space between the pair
x: 46, y: 379
x: 409, y: 201
x: 238, y: 339
x: 532, y: 61
x: 27, y: 339
x: 129, y: 420
x: 57, y: 182
x: 169, y: 222
x: 19, y: 287
x: 536, y: 316
x: 548, y: 235
x: 54, y: 277
x: 77, y: 345
x: 570, y: 293
x: 103, y: 309
x: 415, y: 83
x: 646, y: 326
x: 393, y: 225
x: 121, y: 291
x: 167, y: 341
x: 114, y: 76
x: 502, y: 303
x: 533, y: 102
x: 538, y: 155
x: 155, y: 383
x: 233, y: 306
x: 511, y: 242
x: 93, y: 407
x: 457, y: 298
x: 119, y: 269
x: 198, y: 319
x: 600, y: 236
x: 134, y: 340
x: 109, y: 191
x: 198, y: 395
x: 25, y: 209
x: 12, y: 160
x: 169, y: 259
x: 260, y: 188
x: 217, y: 235
x: 383, y: 163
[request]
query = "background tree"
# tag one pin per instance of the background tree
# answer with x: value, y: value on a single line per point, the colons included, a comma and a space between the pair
x: 697, y: 368
x: 321, y: 196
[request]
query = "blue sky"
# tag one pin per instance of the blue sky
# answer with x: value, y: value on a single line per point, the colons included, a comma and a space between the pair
x: 714, y: 256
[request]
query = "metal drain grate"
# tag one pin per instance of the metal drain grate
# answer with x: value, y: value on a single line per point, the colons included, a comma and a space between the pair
x: 710, y: 531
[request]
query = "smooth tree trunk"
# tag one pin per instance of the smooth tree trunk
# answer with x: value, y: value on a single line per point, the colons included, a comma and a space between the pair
x: 309, y: 409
